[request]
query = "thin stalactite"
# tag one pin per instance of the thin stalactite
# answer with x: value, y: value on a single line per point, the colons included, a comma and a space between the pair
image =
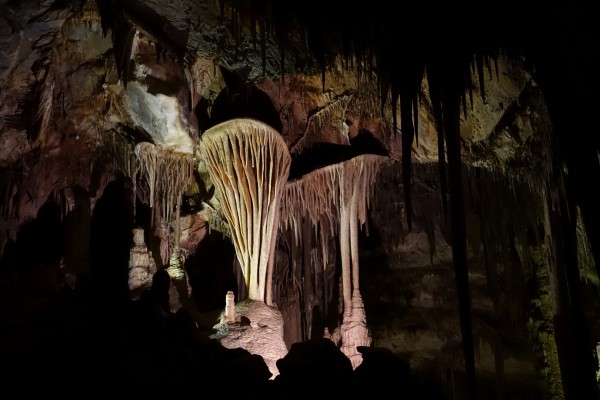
x: 451, y: 112
x: 407, y: 131
x: 435, y: 94
x: 168, y: 175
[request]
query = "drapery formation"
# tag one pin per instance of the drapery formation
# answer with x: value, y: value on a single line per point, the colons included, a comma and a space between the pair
x: 249, y: 163
x: 336, y: 199
x: 168, y: 174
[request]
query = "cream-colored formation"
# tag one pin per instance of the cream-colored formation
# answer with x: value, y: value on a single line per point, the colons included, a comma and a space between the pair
x: 168, y: 174
x: 248, y: 162
x: 229, y: 308
x: 336, y: 199
x: 141, y: 264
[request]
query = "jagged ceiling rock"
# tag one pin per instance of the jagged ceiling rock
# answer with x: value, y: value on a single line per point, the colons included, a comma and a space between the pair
x: 62, y: 84
x: 157, y: 98
x: 174, y: 46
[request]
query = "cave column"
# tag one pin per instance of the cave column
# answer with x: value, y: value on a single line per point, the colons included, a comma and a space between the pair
x: 354, y: 328
x: 345, y: 245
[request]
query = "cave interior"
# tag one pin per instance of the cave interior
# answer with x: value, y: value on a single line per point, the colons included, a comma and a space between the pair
x: 189, y: 187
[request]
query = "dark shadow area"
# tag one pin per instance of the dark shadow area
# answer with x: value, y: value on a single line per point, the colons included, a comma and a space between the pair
x: 110, y: 241
x: 365, y: 143
x: 318, y: 322
x: 40, y: 241
x: 318, y: 155
x: 322, y: 154
x: 192, y: 202
x: 210, y: 272
x: 315, y: 364
x: 382, y: 372
x: 238, y: 100
x: 143, y: 215
x: 77, y: 225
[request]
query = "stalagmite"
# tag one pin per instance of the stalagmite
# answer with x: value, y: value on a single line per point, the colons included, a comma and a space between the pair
x: 229, y: 308
x: 141, y: 264
x: 249, y: 163
x: 175, y: 269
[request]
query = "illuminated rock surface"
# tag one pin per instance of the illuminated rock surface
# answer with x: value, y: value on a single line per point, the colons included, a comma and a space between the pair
x: 478, y: 249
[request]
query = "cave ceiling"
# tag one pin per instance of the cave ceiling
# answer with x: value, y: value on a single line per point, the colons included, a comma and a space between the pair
x: 78, y: 74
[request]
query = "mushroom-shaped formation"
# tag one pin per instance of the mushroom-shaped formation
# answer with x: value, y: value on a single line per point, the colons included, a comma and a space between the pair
x: 249, y: 162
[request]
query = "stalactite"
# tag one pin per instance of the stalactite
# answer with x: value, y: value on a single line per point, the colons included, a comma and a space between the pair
x: 451, y: 114
x: 587, y: 266
x: 433, y: 77
x: 10, y: 182
x: 124, y: 159
x: 479, y: 62
x: 354, y: 219
x: 407, y: 140
x: 216, y: 220
x: 317, y: 195
x: 147, y: 155
x: 123, y: 33
x: 174, y: 175
x: 175, y: 269
x: 416, y: 105
x: 43, y: 113
x: 168, y: 174
x: 199, y: 79
x: 341, y: 193
x: 263, y: 46
x: 354, y: 198
x: 541, y: 324
x: 344, y: 239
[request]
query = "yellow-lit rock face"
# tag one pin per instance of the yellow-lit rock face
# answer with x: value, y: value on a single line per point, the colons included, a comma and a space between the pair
x: 160, y: 116
x: 155, y: 100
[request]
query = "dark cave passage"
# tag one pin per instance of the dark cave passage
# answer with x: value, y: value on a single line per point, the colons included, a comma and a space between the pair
x: 210, y: 272
x: 110, y: 241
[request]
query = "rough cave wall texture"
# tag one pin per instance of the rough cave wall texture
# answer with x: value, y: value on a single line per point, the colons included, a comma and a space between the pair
x: 479, y: 248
